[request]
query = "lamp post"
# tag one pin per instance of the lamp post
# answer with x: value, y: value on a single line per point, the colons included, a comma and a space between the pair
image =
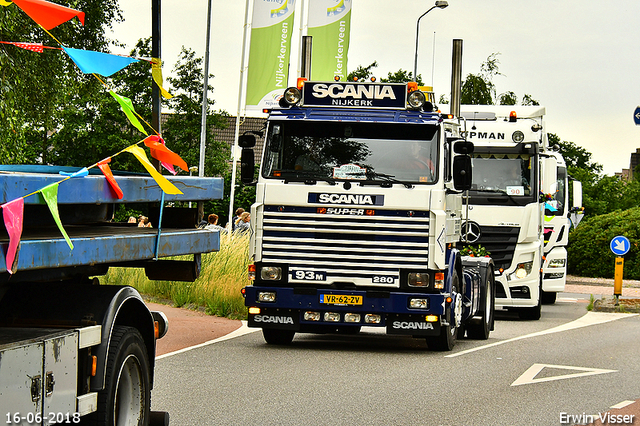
x: 192, y: 169
x: 439, y: 4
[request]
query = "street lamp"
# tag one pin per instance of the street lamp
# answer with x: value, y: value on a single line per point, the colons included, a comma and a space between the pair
x: 440, y: 5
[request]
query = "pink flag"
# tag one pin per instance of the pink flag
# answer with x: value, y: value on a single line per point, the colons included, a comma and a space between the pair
x: 13, y: 212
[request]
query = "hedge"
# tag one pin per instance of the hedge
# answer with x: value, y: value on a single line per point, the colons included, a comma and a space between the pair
x: 589, y: 254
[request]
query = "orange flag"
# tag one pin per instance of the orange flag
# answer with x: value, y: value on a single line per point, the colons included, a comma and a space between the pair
x: 106, y: 171
x: 164, y: 154
x: 48, y: 14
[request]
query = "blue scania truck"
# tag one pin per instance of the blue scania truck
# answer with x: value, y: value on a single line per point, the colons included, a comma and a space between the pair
x: 358, y: 217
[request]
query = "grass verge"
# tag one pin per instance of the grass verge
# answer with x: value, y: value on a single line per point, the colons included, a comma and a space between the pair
x: 217, y: 290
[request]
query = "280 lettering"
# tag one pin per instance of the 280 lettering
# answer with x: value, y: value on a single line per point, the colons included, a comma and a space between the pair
x: 383, y: 279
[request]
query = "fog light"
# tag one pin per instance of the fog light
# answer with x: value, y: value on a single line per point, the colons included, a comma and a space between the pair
x: 418, y: 279
x: 271, y: 273
x: 431, y: 318
x: 351, y: 317
x: 254, y: 310
x: 372, y: 319
x: 332, y: 317
x: 292, y: 96
x: 267, y: 296
x: 416, y: 99
x: 312, y: 316
x: 418, y: 303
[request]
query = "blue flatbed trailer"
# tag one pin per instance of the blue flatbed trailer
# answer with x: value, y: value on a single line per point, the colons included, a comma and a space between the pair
x: 70, y: 349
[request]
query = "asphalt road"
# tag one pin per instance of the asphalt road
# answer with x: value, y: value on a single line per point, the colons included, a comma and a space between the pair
x: 527, y: 373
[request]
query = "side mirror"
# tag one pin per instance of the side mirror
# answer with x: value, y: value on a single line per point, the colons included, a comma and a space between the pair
x: 247, y: 141
x: 463, y: 147
x: 462, y: 176
x: 247, y: 166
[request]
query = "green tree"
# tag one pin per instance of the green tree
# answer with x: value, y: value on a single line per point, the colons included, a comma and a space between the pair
x: 401, y: 76
x: 508, y: 98
x: 362, y: 73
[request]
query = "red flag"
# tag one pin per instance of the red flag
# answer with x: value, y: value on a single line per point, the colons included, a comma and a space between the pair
x: 48, y: 14
x: 13, y: 212
x: 164, y: 154
x: 106, y: 171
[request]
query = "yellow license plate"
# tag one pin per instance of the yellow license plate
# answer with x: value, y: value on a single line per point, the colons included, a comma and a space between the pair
x: 340, y: 299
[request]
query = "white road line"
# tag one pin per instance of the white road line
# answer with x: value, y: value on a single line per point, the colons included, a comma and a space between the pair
x: 591, y: 318
x: 622, y: 404
x: 244, y: 329
x: 529, y: 376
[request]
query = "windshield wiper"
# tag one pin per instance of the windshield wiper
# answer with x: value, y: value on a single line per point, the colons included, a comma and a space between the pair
x: 497, y: 191
x: 309, y: 178
x: 388, y: 180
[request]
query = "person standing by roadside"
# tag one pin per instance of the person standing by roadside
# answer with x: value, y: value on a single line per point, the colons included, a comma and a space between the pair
x: 242, y: 225
x: 239, y: 212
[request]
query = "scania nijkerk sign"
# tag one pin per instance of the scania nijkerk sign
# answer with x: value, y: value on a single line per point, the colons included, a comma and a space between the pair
x: 351, y: 94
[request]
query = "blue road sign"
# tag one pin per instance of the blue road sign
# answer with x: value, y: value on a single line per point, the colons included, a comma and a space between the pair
x: 636, y: 116
x: 620, y: 245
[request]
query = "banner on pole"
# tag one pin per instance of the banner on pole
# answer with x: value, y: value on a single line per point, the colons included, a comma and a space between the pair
x: 329, y: 25
x: 268, y: 69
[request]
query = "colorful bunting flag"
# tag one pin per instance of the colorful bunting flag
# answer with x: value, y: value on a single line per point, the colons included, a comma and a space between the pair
x: 34, y: 47
x: 5, y: 3
x: 156, y: 73
x: 91, y: 62
x: 80, y: 173
x: 48, y: 15
x: 13, y: 213
x: 127, y: 107
x: 106, y: 171
x: 164, y: 184
x: 161, y: 153
x: 50, y: 195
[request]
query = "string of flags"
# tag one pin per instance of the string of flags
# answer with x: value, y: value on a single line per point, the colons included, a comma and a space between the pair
x: 49, y: 15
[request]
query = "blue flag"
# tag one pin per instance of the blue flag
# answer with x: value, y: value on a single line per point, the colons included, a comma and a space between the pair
x: 101, y: 63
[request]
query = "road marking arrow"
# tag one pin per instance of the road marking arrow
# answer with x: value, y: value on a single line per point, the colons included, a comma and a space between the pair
x: 529, y: 376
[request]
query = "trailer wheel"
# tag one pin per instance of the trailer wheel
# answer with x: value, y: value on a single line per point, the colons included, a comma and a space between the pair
x: 480, y: 329
x: 277, y: 337
x: 447, y: 338
x: 126, y: 397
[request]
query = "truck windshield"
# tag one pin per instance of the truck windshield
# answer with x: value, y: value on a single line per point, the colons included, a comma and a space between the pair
x: 509, y: 174
x: 362, y: 151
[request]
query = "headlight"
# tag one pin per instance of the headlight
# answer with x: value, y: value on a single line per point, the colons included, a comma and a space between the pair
x: 292, y: 96
x: 372, y: 319
x: 267, y: 296
x: 332, y: 316
x: 522, y: 270
x: 271, y: 273
x: 312, y: 316
x: 416, y: 99
x: 351, y: 317
x: 418, y: 279
x: 517, y: 136
x: 557, y: 263
x: 418, y: 303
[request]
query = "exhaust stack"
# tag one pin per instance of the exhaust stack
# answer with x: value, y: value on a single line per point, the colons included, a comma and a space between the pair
x: 456, y: 77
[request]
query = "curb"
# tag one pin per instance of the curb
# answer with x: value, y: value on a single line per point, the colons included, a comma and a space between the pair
x: 629, y: 306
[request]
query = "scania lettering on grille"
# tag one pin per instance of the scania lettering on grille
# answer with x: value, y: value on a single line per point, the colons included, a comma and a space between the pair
x: 412, y: 325
x: 273, y: 319
x: 350, y: 199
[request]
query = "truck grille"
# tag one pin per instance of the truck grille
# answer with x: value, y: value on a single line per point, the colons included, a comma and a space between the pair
x: 348, y: 248
x: 501, y: 242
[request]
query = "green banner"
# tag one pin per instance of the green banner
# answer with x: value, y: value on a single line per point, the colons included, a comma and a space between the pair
x: 268, y: 72
x: 330, y: 27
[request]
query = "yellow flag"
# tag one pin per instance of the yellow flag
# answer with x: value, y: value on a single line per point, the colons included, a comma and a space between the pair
x: 5, y: 3
x: 156, y: 72
x: 162, y: 181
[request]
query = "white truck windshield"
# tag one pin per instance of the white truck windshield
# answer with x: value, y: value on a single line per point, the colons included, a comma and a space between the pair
x: 351, y: 151
x: 505, y: 173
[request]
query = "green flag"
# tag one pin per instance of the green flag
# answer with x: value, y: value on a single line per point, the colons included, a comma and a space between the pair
x: 268, y: 72
x: 50, y: 195
x: 329, y: 26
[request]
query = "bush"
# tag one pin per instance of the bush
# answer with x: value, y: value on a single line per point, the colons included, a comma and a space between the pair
x: 589, y: 254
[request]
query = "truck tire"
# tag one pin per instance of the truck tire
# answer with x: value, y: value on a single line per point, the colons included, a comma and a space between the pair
x: 549, y: 297
x: 447, y: 338
x: 481, y: 328
x: 277, y: 337
x: 126, y: 397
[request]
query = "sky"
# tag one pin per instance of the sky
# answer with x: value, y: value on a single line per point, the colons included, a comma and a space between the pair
x: 580, y: 59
